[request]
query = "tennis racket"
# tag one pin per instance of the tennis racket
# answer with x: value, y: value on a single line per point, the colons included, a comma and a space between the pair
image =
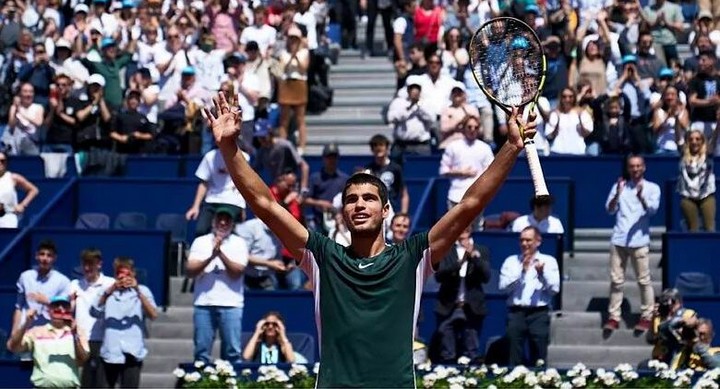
x: 509, y: 66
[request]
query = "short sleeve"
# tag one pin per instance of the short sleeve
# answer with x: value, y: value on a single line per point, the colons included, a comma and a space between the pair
x: 204, y: 170
x: 317, y: 247
x: 21, y: 300
x: 28, y: 341
x: 198, y: 250
x: 148, y: 295
x: 239, y: 251
x: 399, y: 26
x: 418, y: 247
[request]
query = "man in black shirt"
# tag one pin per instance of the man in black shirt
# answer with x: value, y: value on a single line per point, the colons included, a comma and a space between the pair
x: 61, y: 120
x: 132, y: 132
x: 704, y: 95
x: 324, y: 186
x: 93, y: 116
x: 389, y: 173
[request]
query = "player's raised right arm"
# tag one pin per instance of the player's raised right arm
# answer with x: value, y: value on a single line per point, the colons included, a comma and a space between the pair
x: 225, y: 125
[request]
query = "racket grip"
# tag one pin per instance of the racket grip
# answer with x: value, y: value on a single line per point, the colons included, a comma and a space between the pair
x: 535, y: 169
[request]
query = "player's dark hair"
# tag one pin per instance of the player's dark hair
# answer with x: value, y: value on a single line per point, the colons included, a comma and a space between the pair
x: 365, y: 178
x: 48, y: 245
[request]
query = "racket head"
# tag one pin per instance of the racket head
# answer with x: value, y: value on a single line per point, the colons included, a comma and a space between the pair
x: 508, y: 62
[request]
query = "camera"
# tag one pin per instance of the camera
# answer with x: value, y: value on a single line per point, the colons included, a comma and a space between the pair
x: 664, y: 306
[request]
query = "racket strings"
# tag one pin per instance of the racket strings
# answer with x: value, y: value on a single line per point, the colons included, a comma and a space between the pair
x: 507, y: 61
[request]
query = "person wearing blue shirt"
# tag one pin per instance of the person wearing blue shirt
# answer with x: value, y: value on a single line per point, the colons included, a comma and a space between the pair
x: 531, y: 280
x: 36, y: 286
x: 633, y: 202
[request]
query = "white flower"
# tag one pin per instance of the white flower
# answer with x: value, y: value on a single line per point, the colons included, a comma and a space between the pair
x: 624, y: 367
x: 566, y: 385
x: 316, y: 368
x: 214, y: 377
x: 246, y: 372
x: 179, y: 373
x: 209, y: 370
x: 471, y: 383
x: 600, y: 372
x: 579, y: 382
x: 193, y: 377
x: 296, y: 370
x: 199, y: 364
x: 231, y: 381
x: 426, y: 366
x: 531, y: 380
x: 456, y: 386
x: 492, y: 387
x: 540, y: 363
x: 704, y: 383
x: 681, y: 382
x: 463, y: 360
x: 629, y: 375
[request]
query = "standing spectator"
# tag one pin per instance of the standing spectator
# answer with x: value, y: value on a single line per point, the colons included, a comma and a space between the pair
x: 616, y: 135
x: 37, y: 285
x: 386, y: 10
x: 124, y: 307
x: 568, y: 126
x: 389, y: 172
x: 399, y: 227
x: 669, y: 119
x: 704, y: 96
x: 540, y: 217
x: 666, y: 20
x: 648, y: 64
x: 696, y: 183
x: 10, y: 208
x: 217, y: 261
x: 247, y: 86
x: 428, y: 21
x: 285, y: 193
x: 132, y: 132
x: 264, y: 262
x: 592, y: 67
x: 260, y: 32
x: 637, y: 94
x: 293, y: 86
x: 436, y: 87
x: 453, y: 118
x: 93, y: 116
x: 476, y: 99
x: 323, y: 187
x: 557, y: 70
x: 110, y: 68
x: 455, y: 57
x: 531, y: 279
x: 61, y: 120
x: 39, y: 74
x: 460, y: 305
x: 223, y: 25
x: 403, y: 38
x: 57, y: 348
x: 84, y: 292
x: 269, y: 344
x: 463, y: 161
x: 215, y: 190
x: 633, y: 201
x: 412, y: 125
x: 260, y: 67
x: 277, y: 155
x: 24, y: 120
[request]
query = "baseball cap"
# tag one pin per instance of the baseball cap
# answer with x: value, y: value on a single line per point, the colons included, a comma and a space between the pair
x: 128, y: 4
x: 60, y: 299
x: 532, y: 8
x: 96, y: 79
x: 666, y: 72
x: 294, y: 31
x: 98, y: 1
x: 188, y: 71
x: 240, y: 57
x: 81, y: 8
x: 330, y: 149
x: 198, y: 5
x: 63, y: 43
x: 705, y: 14
x: 226, y: 210
x: 107, y: 42
x: 629, y: 58
x: 262, y: 128
x: 413, y: 81
x: 459, y: 86
x: 520, y: 43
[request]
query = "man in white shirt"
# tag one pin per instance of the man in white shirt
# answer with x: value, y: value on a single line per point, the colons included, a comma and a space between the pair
x: 463, y: 161
x: 540, y: 217
x: 215, y: 190
x: 412, y: 125
x: 247, y: 90
x: 217, y: 262
x: 531, y: 280
x: 259, y: 32
x: 83, y: 293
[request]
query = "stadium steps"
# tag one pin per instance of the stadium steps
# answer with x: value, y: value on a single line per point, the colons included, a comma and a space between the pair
x: 576, y: 330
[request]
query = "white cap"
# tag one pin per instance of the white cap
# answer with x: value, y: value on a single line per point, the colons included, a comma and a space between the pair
x: 96, y: 79
x: 459, y: 85
x: 198, y: 5
x: 81, y: 8
x: 62, y: 42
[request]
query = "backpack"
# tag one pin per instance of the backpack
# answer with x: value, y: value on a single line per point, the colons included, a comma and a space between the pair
x: 320, y: 99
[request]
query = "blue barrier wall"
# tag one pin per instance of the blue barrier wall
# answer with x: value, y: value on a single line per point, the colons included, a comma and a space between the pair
x: 690, y: 252
x: 153, y: 166
x: 49, y: 188
x: 673, y: 215
x: 148, y: 249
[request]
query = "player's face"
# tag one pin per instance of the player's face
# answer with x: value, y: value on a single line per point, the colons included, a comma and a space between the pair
x: 363, y: 210
x: 636, y: 168
x: 400, y: 227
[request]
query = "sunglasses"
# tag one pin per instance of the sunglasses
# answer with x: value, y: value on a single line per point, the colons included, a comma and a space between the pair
x: 472, y: 127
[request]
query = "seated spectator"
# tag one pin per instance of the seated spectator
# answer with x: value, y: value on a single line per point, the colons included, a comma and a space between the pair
x: 399, y: 227
x: 435, y: 86
x: 697, y: 352
x: 58, y: 348
x: 460, y: 307
x: 265, y: 264
x: 214, y: 190
x: 217, y: 261
x: 123, y: 308
x: 412, y: 125
x: 568, y: 125
x: 669, y: 118
x: 452, y: 118
x: 340, y: 233
x: 182, y: 108
x: 276, y: 155
x: 10, y: 209
x: 324, y: 186
x: 132, y: 132
x: 696, y: 183
x: 269, y: 344
x: 37, y: 285
x: 24, y: 120
x: 284, y: 192
x: 540, y: 217
x: 143, y: 81
x: 668, y: 315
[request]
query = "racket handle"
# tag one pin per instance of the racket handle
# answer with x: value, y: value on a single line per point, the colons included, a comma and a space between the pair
x: 535, y: 169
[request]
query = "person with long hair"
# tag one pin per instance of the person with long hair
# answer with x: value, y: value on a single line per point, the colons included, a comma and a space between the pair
x: 670, y: 118
x: 10, y: 208
x: 293, y: 87
x: 269, y: 343
x: 568, y: 125
x: 696, y: 183
x: 454, y: 57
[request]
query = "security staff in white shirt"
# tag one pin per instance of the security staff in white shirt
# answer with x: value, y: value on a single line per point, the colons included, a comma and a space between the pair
x: 217, y: 261
x: 540, y: 217
x: 531, y: 280
x: 83, y: 293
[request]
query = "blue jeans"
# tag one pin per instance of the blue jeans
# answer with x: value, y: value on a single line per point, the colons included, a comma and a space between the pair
x: 226, y: 320
x: 295, y: 279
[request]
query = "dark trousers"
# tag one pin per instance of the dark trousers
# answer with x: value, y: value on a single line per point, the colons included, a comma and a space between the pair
x: 387, y: 16
x: 207, y: 213
x: 126, y: 374
x: 348, y: 24
x: 459, y: 335
x: 532, y: 324
x: 92, y: 371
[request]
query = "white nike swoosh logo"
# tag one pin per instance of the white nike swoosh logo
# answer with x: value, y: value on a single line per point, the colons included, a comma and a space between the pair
x: 364, y: 265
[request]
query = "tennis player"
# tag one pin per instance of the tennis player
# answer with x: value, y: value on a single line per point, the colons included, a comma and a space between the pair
x: 367, y: 295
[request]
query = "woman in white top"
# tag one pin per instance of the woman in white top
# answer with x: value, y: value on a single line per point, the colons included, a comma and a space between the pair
x: 10, y: 208
x: 454, y: 57
x: 293, y: 87
x: 24, y: 119
x: 669, y: 118
x: 696, y: 183
x: 568, y: 125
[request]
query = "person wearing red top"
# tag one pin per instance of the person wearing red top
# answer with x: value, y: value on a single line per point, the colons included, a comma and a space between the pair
x: 284, y: 191
x: 427, y: 21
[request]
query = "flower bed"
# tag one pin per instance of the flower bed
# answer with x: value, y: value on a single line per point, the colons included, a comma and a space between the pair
x: 221, y: 374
